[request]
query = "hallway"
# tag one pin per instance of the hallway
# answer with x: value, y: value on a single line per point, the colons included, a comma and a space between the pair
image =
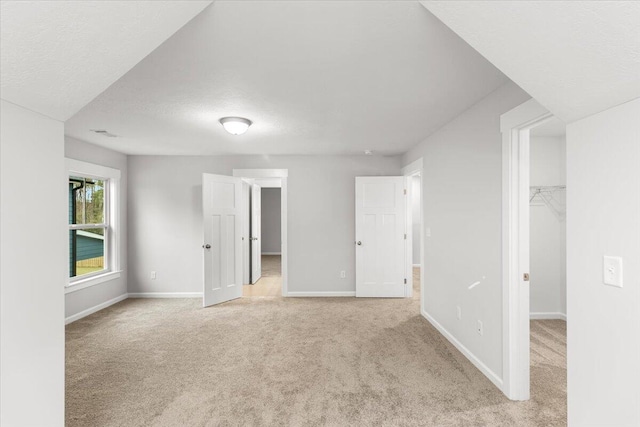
x: 270, y: 284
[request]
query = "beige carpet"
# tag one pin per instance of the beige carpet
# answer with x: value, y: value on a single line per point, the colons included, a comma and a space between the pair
x: 295, y: 362
x: 271, y: 266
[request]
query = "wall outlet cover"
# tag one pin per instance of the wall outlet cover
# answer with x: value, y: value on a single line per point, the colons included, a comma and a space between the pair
x: 612, y: 271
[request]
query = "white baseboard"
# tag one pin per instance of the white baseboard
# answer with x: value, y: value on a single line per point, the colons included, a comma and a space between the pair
x: 165, y: 295
x: 95, y: 308
x: 495, y: 379
x: 548, y: 316
x: 271, y: 253
x: 322, y: 294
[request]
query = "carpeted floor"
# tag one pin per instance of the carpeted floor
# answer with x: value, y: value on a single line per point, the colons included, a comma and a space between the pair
x: 296, y: 361
x: 271, y: 266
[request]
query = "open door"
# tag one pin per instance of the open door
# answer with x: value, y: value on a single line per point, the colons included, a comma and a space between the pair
x: 256, y: 242
x: 221, y: 206
x: 380, y: 236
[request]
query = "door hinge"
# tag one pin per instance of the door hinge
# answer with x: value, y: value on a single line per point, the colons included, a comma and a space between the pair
x: 405, y: 191
x: 405, y: 281
x: 405, y: 236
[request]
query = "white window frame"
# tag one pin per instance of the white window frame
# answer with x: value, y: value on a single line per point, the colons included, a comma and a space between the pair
x: 112, y: 219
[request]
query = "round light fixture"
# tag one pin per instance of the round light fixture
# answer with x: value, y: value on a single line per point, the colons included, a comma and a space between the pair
x: 235, y: 125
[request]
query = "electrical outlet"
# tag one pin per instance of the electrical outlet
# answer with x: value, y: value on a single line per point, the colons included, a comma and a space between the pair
x: 343, y: 274
x: 153, y: 275
x: 458, y: 312
x: 612, y: 271
x: 480, y: 330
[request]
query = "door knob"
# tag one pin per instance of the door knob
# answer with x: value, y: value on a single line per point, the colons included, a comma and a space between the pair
x: 207, y: 246
x: 359, y: 243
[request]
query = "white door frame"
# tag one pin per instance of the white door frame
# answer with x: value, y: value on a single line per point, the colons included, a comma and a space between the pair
x: 246, y: 246
x: 515, y: 125
x: 282, y: 174
x: 409, y: 171
x: 255, y: 248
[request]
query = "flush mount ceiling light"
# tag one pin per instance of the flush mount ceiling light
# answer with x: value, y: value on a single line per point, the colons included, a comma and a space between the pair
x: 235, y: 125
x: 368, y: 152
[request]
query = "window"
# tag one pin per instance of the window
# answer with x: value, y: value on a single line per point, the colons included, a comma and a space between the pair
x: 88, y: 225
x: 93, y: 233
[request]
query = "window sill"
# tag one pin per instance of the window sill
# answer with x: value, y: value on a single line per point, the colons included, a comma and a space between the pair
x: 91, y: 281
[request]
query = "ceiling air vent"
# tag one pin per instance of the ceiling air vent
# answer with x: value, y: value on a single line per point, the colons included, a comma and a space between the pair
x: 104, y: 133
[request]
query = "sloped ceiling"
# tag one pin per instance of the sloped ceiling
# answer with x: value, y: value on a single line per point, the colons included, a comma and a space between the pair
x: 575, y: 57
x: 315, y: 77
x: 56, y: 56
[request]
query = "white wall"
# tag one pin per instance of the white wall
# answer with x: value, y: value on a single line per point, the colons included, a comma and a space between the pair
x: 33, y: 268
x: 271, y: 226
x: 84, y: 299
x: 462, y: 202
x: 548, y: 229
x: 603, y: 218
x: 165, y: 217
x: 415, y: 217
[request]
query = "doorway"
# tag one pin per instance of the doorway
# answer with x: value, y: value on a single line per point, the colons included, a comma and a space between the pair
x: 225, y: 237
x: 534, y: 277
x: 264, y: 222
x: 547, y: 254
x: 264, y: 197
x: 416, y: 235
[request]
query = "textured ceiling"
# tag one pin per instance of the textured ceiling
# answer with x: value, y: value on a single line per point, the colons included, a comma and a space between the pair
x: 575, y: 57
x: 57, y: 56
x: 314, y: 77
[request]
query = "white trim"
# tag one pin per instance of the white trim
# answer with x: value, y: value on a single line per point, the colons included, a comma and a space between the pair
x: 91, y: 281
x: 413, y: 167
x: 268, y: 182
x: 113, y: 242
x: 284, y: 244
x: 91, y: 170
x: 515, y: 125
x: 465, y: 351
x: 323, y: 294
x: 271, y: 253
x: 261, y: 173
x: 548, y: 316
x: 165, y: 295
x: 95, y: 308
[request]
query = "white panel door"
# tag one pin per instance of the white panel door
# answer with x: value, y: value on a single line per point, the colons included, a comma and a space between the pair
x: 222, y: 212
x: 380, y: 236
x: 256, y: 232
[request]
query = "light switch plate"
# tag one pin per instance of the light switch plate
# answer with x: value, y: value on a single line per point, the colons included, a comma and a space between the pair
x: 612, y: 271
